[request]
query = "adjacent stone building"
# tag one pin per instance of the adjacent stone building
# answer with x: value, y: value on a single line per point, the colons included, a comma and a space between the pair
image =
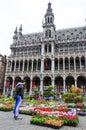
x: 52, y: 57
x: 2, y: 72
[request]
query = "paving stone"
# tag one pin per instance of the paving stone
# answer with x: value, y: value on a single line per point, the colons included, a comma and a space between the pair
x: 7, y: 122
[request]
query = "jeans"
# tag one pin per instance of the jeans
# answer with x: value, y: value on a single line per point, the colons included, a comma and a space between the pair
x: 17, y: 105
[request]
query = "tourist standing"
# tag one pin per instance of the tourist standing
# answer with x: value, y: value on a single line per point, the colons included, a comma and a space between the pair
x: 19, y: 95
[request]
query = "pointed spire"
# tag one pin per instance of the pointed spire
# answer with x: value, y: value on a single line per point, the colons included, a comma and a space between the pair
x: 15, y: 34
x: 20, y: 30
x: 49, y: 10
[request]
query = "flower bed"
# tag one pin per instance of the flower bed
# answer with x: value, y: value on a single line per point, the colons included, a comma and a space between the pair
x: 70, y: 120
x: 27, y: 110
x: 48, y: 121
x: 82, y: 113
x: 6, y: 107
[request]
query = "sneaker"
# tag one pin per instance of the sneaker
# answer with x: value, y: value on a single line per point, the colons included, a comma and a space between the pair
x: 17, y: 118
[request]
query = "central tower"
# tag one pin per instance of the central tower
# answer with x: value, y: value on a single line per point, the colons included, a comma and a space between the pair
x: 48, y: 25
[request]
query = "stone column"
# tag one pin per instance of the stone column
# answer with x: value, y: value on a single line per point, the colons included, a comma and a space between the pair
x: 32, y: 66
x: 12, y: 86
x: 75, y: 82
x: 42, y: 51
x: 10, y: 66
x: 52, y: 49
x: 74, y: 64
x: 53, y: 65
x: 63, y: 64
x: 23, y: 66
x: 4, y: 86
x: 64, y: 89
x: 15, y: 67
x: 53, y: 82
x: 41, y: 86
x: 42, y: 65
x: 30, y: 93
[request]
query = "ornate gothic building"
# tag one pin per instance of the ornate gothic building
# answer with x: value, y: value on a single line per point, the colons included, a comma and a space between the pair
x: 52, y: 57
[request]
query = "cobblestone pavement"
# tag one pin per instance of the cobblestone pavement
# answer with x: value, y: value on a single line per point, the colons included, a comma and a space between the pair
x: 7, y: 122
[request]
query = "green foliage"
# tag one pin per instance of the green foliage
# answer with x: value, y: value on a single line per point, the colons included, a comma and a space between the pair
x: 78, y: 99
x: 74, y: 95
x: 48, y: 93
x: 27, y: 112
x: 72, y: 98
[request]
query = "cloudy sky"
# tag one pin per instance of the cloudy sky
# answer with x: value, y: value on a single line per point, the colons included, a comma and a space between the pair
x: 30, y: 13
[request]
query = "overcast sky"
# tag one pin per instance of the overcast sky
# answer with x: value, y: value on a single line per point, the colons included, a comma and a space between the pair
x: 30, y: 13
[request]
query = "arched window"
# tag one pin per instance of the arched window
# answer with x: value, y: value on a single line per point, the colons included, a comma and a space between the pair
x: 48, y: 33
x: 49, y: 48
x: 51, y: 20
x: 45, y: 48
x: 48, y: 19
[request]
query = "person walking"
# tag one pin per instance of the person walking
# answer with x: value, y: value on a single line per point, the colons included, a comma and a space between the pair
x: 19, y: 95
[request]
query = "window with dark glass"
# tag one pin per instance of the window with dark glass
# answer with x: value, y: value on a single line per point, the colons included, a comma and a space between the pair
x: 45, y: 48
x: 49, y: 48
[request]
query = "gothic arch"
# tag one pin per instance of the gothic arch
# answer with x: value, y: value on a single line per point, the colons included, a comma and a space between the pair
x: 81, y: 81
x: 69, y: 81
x: 27, y: 80
x: 47, y: 81
x: 59, y: 83
x: 36, y: 81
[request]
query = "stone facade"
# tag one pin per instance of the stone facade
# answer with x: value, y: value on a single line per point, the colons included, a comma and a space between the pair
x: 52, y: 57
x: 2, y: 72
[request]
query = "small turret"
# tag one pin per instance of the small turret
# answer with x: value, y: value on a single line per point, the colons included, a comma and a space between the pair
x: 15, y: 34
x: 20, y: 30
